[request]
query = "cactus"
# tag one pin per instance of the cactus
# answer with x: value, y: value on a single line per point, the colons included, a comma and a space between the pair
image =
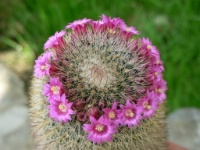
x: 98, y: 86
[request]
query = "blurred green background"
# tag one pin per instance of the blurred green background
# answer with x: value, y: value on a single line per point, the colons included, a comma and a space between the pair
x: 173, y: 26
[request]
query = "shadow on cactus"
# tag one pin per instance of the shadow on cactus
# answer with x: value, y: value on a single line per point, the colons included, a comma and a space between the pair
x: 98, y: 86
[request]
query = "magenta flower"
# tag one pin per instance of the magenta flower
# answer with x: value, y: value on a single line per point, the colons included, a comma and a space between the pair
x: 148, y: 104
x: 130, y: 114
x: 54, y: 40
x: 77, y: 23
x: 106, y: 19
x: 53, y: 89
x: 115, y: 22
x: 42, y: 65
x: 118, y: 22
x: 146, y: 43
x: 97, y: 25
x: 107, y: 24
x: 159, y: 64
x: 160, y: 88
x: 99, y: 130
x: 155, y: 73
x: 130, y: 30
x: 60, y: 109
x: 112, y: 114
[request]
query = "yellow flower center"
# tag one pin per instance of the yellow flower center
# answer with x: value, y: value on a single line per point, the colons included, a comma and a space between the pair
x: 149, y: 107
x: 146, y: 105
x: 156, y: 73
x: 43, y: 67
x: 111, y: 115
x: 111, y: 31
x: 55, y: 89
x: 148, y: 46
x: 128, y: 29
x: 159, y: 90
x: 79, y: 22
x: 62, y: 107
x: 129, y: 113
x: 99, y: 127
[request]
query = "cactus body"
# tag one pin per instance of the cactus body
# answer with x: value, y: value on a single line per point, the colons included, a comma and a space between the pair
x: 98, y: 86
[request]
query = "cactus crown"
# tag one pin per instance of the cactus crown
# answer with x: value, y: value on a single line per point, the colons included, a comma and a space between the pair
x: 101, y: 74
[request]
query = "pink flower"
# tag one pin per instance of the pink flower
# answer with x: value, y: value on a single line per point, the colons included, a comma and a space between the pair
x: 131, y: 30
x: 99, y: 130
x: 77, y: 23
x: 97, y: 25
x: 130, y: 114
x: 155, y: 73
x: 54, y: 40
x: 159, y: 64
x: 114, y: 23
x: 117, y: 22
x: 106, y: 19
x: 160, y: 88
x: 42, y: 65
x: 149, y: 104
x: 146, y: 43
x: 112, y: 114
x: 53, y: 89
x: 60, y: 109
x: 107, y: 24
x: 111, y: 24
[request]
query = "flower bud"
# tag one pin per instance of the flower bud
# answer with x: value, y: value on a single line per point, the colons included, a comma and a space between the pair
x: 81, y: 116
x: 102, y: 104
x: 79, y: 104
x: 94, y: 112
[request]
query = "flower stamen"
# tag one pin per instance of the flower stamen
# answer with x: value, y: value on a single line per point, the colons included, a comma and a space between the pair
x: 44, y: 67
x: 128, y: 29
x: 111, y: 31
x: 111, y: 115
x: 62, y: 107
x: 99, y: 127
x: 129, y: 113
x: 55, y: 89
x: 146, y: 105
x: 148, y: 46
x: 159, y: 90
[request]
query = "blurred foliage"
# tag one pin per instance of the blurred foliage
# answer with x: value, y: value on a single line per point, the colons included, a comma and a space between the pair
x: 172, y: 25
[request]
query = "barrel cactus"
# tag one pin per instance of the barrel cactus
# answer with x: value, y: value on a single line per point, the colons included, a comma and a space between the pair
x: 98, y: 85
